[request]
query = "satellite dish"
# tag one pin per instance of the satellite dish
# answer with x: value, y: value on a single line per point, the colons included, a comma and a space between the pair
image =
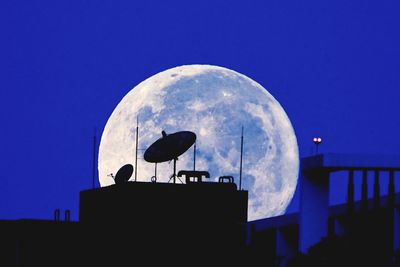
x: 123, y: 174
x: 169, y: 146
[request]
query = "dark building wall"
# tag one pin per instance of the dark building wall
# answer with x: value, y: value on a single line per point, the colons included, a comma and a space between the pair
x: 207, y: 219
x: 39, y: 243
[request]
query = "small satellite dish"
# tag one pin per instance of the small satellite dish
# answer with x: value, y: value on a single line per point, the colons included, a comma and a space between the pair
x: 169, y: 147
x: 123, y: 174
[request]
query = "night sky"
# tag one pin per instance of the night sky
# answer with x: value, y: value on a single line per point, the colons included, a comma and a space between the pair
x: 334, y: 66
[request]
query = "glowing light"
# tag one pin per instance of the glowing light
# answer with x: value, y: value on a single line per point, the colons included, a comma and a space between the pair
x: 317, y: 140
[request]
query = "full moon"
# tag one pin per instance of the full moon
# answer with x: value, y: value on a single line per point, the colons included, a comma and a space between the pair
x: 215, y: 103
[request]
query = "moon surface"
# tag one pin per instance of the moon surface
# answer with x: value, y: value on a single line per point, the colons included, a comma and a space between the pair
x: 213, y: 102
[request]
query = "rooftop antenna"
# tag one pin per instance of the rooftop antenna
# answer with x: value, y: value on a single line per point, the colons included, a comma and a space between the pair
x: 317, y: 141
x: 241, y: 159
x: 194, y: 157
x: 94, y: 160
x: 137, y: 138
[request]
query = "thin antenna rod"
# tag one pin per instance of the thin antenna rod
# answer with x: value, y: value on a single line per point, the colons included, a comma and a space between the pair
x: 194, y: 157
x: 175, y: 159
x: 94, y: 160
x: 241, y: 159
x: 137, y: 138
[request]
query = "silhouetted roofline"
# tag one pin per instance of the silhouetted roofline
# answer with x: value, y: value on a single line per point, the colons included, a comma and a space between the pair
x: 335, y: 162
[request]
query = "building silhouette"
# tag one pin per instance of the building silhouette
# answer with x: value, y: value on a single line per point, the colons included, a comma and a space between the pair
x: 205, y: 223
x: 369, y: 229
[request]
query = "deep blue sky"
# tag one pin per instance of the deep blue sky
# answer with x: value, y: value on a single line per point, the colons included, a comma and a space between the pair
x: 333, y: 65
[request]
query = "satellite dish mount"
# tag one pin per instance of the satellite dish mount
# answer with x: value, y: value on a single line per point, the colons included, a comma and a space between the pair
x: 173, y: 176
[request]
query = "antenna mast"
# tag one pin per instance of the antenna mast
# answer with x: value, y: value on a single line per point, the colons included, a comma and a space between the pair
x: 94, y: 160
x: 137, y: 138
x: 194, y: 157
x: 241, y: 159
